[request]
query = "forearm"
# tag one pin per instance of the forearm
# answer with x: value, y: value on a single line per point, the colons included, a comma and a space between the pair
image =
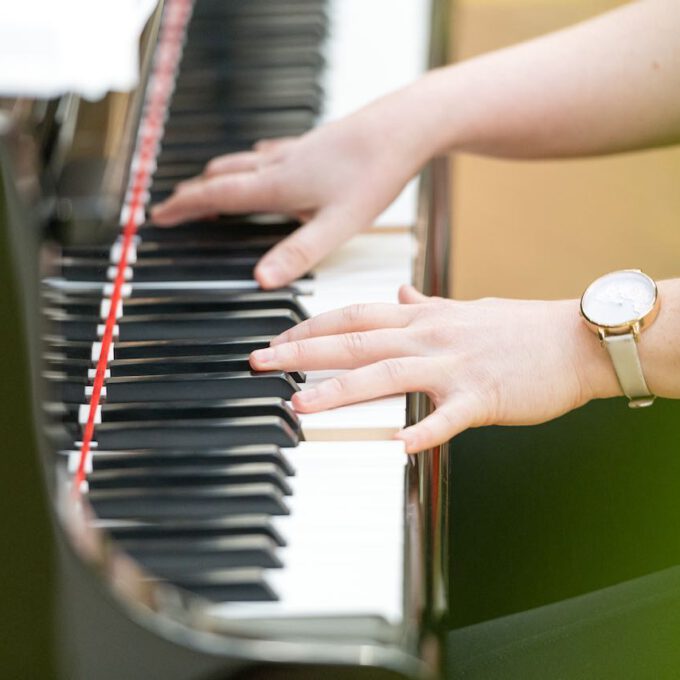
x: 607, y: 85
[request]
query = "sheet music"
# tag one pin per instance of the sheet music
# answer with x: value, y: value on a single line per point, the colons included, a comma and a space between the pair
x: 87, y: 47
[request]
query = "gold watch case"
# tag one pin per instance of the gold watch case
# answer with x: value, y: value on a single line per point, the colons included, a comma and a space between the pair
x: 607, y: 285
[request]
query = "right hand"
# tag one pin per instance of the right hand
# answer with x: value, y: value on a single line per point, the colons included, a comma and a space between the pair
x: 337, y: 179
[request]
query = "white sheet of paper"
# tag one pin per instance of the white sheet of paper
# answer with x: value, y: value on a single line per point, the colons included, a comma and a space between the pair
x: 87, y: 47
x: 374, y: 47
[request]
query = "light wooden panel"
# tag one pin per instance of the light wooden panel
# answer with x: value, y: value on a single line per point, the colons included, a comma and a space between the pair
x: 545, y: 229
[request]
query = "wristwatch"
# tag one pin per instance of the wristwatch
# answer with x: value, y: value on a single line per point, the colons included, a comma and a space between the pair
x: 618, y: 307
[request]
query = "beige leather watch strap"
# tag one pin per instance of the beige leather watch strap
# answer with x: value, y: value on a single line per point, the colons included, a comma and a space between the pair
x: 624, y: 355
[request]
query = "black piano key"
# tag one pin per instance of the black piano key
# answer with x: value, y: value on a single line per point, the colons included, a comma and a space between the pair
x: 202, y: 154
x: 227, y: 585
x: 206, y: 386
x: 60, y: 347
x: 227, y: 267
x: 216, y: 427
x: 237, y: 525
x: 210, y: 95
x: 119, y: 368
x: 191, y: 475
x: 279, y: 55
x: 184, y: 410
x: 129, y: 367
x: 153, y: 270
x: 177, y: 172
x: 258, y: 453
x: 182, y: 303
x: 242, y: 227
x: 182, y: 347
x: 292, y: 26
x: 254, y: 247
x: 201, y: 433
x: 220, y: 10
x: 170, y: 558
x: 178, y: 326
x: 204, y: 127
x: 195, y: 132
x: 201, y: 501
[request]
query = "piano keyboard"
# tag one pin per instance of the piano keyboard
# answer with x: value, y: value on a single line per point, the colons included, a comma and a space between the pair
x: 198, y: 468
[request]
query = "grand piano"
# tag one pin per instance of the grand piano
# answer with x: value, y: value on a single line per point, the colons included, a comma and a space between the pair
x: 205, y: 530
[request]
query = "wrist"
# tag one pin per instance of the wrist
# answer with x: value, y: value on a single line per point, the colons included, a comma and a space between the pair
x: 593, y: 366
x: 656, y: 346
x: 659, y: 347
x: 411, y: 121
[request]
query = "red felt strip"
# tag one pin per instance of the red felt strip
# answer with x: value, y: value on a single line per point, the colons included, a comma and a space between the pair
x: 168, y: 50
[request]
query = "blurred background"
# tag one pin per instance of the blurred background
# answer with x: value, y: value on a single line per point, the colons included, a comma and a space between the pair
x: 546, y: 229
x: 588, y: 501
x: 540, y: 514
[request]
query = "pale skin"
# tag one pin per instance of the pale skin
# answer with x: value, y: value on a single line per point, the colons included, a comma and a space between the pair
x: 608, y: 85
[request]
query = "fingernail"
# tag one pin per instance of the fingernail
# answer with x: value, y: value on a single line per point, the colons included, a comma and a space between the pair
x: 263, y: 356
x: 307, y: 396
x: 158, y: 211
x: 407, y: 438
x: 269, y: 275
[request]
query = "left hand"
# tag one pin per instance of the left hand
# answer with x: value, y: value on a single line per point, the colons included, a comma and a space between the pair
x: 485, y: 362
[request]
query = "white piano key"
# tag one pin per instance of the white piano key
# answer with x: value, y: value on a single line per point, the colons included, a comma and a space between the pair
x: 89, y: 390
x: 112, y: 272
x: 84, y: 414
x: 97, y: 350
x: 101, y: 330
x: 378, y: 419
x: 74, y: 463
x: 371, y: 252
x: 125, y: 290
x: 347, y: 524
x: 105, y: 308
x: 117, y: 251
x: 137, y: 215
x: 92, y: 373
x: 352, y: 422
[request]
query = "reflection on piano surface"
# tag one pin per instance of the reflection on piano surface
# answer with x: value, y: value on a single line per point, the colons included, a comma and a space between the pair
x: 207, y: 529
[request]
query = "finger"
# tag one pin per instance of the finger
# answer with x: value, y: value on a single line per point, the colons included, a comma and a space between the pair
x: 232, y: 162
x: 305, y: 247
x: 391, y: 376
x: 446, y: 422
x: 231, y: 193
x: 272, y: 144
x: 408, y: 295
x: 363, y: 317
x: 349, y: 350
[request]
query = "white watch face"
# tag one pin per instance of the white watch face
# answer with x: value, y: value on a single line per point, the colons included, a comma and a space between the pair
x: 619, y: 298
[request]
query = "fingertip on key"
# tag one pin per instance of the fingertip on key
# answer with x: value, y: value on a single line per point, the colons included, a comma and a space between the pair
x: 262, y: 358
x: 409, y: 439
x: 304, y: 400
x: 269, y: 275
x: 158, y: 213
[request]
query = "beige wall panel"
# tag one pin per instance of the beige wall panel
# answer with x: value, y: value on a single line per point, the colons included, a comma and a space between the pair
x: 544, y: 229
